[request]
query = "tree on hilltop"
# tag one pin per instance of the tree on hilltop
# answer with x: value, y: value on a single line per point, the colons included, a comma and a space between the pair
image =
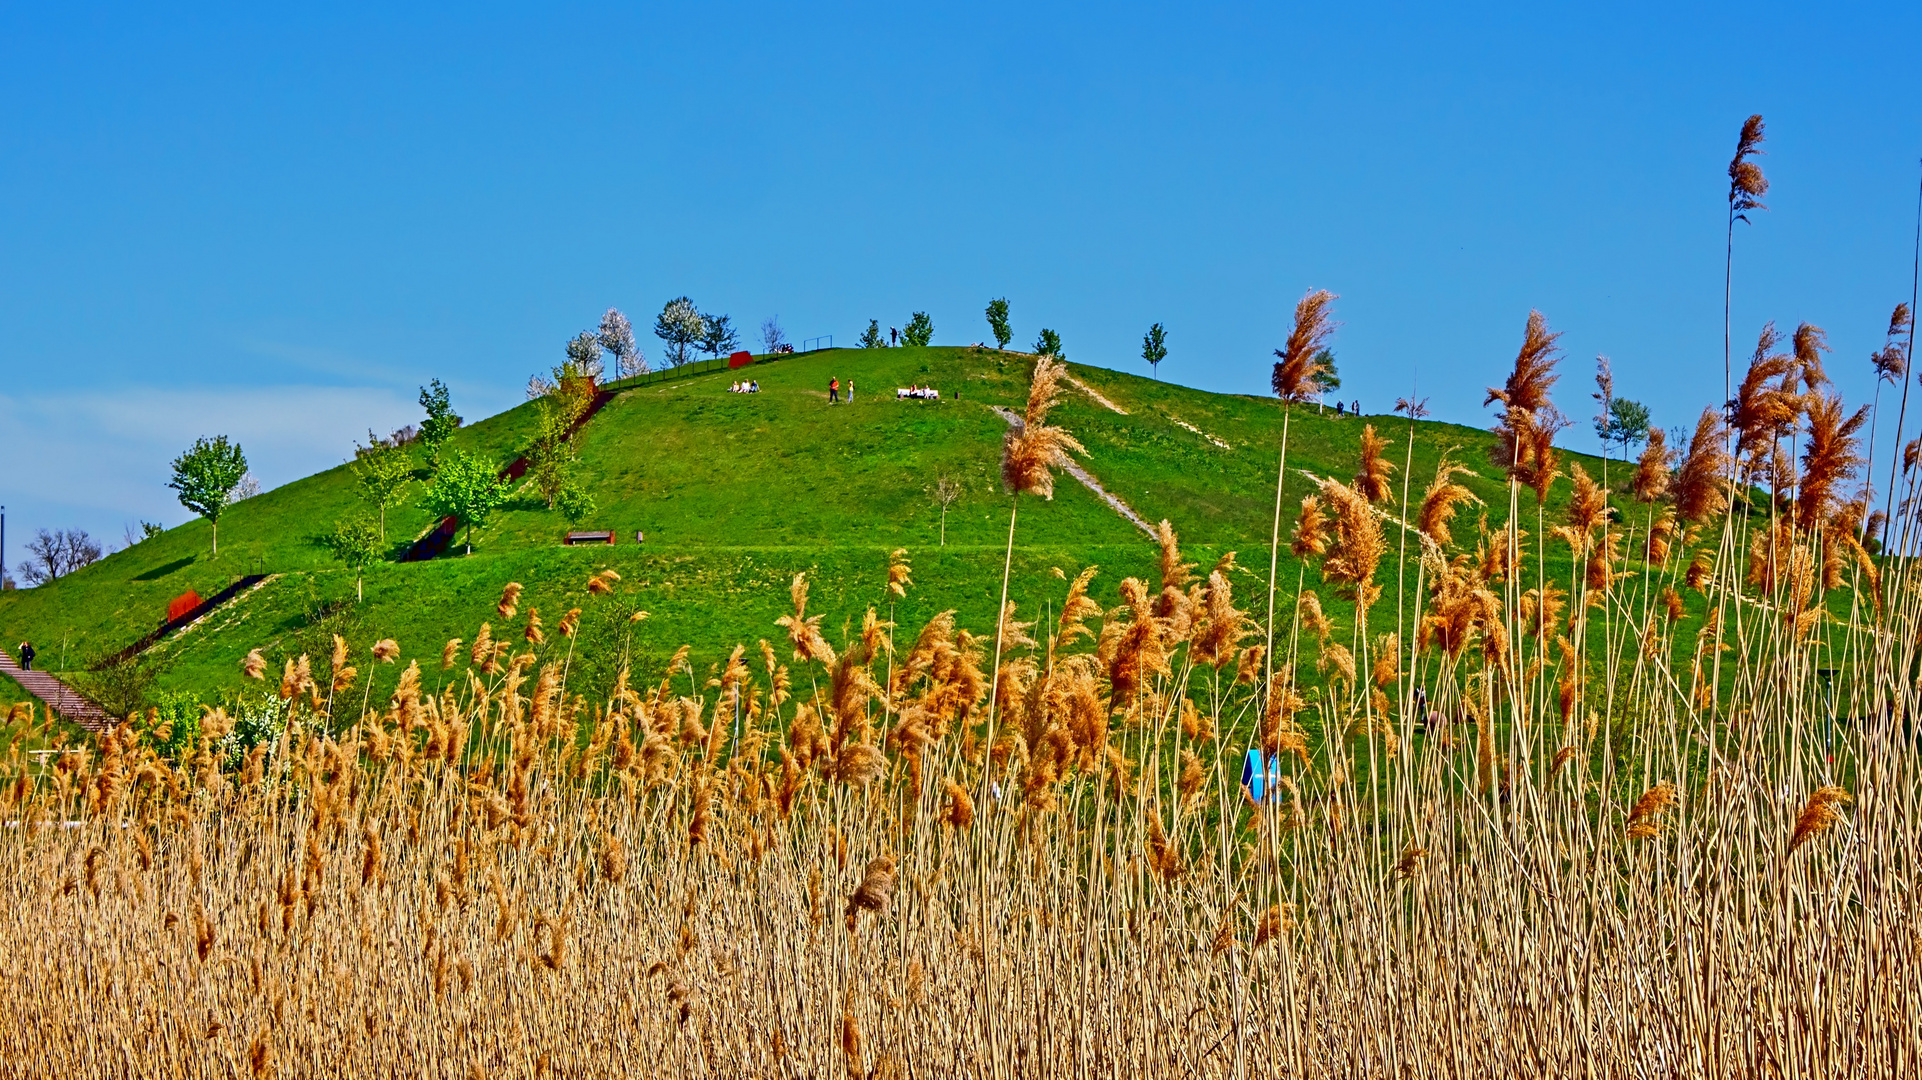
x: 1049, y: 344
x: 998, y: 323
x: 871, y: 337
x: 680, y: 326
x: 1325, y: 380
x: 773, y: 338
x: 584, y: 353
x: 1154, y: 347
x: 718, y: 335
x: 617, y: 337
x: 920, y: 330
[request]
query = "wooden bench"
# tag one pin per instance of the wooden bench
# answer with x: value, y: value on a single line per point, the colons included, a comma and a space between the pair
x: 591, y: 537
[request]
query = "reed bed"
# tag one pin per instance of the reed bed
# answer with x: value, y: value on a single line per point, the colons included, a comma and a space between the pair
x: 1654, y: 815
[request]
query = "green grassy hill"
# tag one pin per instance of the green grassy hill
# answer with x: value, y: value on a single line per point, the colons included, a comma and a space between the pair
x: 737, y: 494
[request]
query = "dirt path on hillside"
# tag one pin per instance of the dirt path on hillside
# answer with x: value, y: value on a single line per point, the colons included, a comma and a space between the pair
x: 1087, y: 479
x: 1096, y: 395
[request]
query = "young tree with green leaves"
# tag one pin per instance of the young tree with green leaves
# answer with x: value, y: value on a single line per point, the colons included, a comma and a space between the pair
x: 718, y: 335
x: 1154, y: 348
x: 998, y: 323
x: 1616, y: 419
x: 871, y: 337
x: 920, y: 330
x: 205, y: 477
x: 467, y: 488
x: 441, y: 421
x: 553, y: 464
x: 354, y: 542
x: 1627, y: 424
x: 1049, y: 344
x: 1326, y: 380
x: 584, y: 354
x: 381, y: 469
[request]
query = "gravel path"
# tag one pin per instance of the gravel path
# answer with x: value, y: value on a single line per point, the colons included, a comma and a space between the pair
x: 1087, y: 479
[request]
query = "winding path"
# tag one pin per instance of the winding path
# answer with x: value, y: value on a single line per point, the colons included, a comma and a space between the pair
x: 57, y: 695
x: 1087, y: 479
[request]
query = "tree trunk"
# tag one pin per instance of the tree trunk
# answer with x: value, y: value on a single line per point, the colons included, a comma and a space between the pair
x: 216, y: 524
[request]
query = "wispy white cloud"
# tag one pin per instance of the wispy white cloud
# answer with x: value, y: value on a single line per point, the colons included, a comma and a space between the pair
x: 100, y: 459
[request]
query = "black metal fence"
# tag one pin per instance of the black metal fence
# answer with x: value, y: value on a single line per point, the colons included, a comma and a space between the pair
x: 696, y: 368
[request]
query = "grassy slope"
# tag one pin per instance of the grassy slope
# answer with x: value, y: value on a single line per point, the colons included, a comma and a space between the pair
x: 736, y: 494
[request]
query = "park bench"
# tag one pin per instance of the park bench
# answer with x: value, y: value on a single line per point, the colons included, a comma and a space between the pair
x: 590, y: 537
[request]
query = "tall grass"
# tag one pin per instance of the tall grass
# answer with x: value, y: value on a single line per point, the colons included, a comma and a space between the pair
x: 1579, y: 856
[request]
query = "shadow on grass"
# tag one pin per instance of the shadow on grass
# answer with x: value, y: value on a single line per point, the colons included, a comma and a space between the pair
x: 164, y: 569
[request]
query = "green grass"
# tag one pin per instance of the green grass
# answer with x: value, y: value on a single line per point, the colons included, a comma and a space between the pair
x: 11, y: 693
x: 736, y: 494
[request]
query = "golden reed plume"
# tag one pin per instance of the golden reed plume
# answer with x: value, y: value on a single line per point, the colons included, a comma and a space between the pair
x: 1373, y: 479
x: 1297, y: 363
x: 1526, y: 426
x: 1030, y: 455
x: 1746, y: 184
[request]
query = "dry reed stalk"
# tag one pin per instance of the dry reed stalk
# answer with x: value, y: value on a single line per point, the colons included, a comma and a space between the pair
x: 475, y: 876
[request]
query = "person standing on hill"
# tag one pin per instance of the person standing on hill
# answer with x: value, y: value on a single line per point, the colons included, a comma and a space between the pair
x: 26, y: 656
x: 834, y: 391
x: 850, y: 391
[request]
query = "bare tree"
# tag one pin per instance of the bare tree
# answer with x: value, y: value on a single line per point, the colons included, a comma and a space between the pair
x: 945, y: 492
x: 772, y: 338
x: 58, y: 553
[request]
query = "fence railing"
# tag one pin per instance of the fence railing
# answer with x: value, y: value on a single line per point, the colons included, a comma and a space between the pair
x: 695, y: 369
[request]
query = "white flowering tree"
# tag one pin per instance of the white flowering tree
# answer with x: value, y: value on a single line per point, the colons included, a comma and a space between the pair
x: 617, y: 337
x: 680, y: 325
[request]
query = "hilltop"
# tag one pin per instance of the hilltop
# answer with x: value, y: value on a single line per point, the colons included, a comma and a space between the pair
x: 736, y: 494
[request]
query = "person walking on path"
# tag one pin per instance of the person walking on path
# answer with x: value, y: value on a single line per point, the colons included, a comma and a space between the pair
x: 26, y: 656
x: 834, y: 391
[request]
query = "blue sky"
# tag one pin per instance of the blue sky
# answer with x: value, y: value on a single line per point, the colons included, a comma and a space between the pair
x: 275, y: 222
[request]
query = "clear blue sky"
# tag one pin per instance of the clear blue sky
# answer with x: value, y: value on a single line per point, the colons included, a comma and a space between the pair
x: 276, y: 222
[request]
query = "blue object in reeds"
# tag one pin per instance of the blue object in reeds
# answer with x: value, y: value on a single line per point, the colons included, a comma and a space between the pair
x: 1259, y: 777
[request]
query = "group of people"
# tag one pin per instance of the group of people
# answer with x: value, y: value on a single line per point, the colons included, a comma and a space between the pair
x: 920, y: 393
x: 834, y: 391
x: 752, y: 386
x: 1343, y: 408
